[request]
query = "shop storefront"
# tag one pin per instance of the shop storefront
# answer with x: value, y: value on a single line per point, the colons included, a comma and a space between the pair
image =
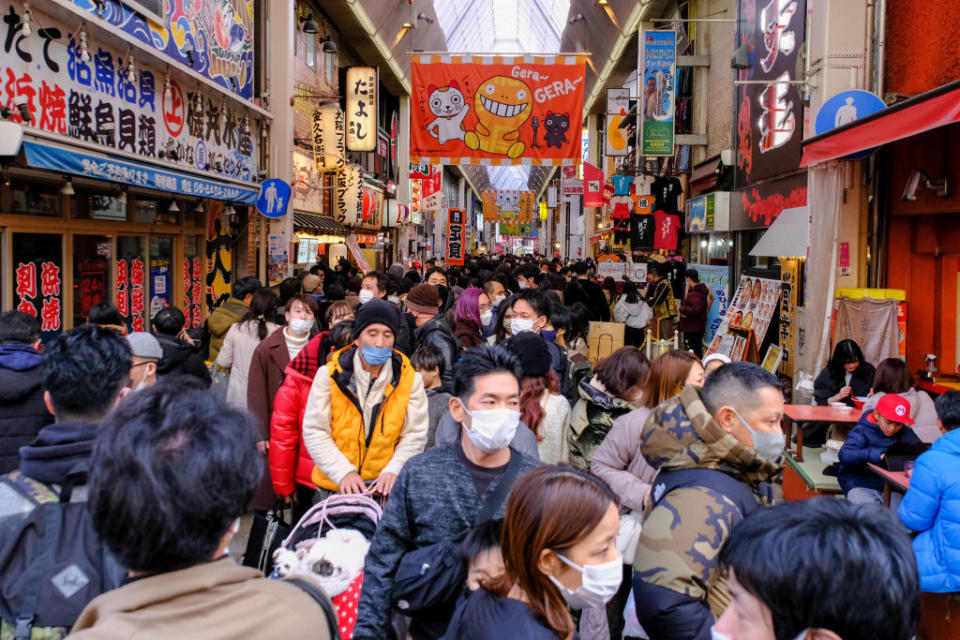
x: 132, y: 185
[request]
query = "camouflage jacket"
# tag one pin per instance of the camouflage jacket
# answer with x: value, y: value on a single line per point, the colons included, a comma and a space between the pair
x: 678, y: 586
x: 591, y: 420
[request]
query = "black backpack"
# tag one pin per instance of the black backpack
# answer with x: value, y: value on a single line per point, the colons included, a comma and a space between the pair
x: 53, y: 563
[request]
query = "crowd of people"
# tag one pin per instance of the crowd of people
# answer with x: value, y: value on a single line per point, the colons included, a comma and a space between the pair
x: 526, y: 491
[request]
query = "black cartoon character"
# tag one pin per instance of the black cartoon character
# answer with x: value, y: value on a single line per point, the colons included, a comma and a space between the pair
x: 556, y: 125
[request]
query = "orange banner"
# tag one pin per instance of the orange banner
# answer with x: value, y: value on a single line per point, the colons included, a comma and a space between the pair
x: 508, y: 206
x: 496, y: 110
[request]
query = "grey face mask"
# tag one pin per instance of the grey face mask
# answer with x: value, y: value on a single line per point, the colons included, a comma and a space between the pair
x: 768, y: 446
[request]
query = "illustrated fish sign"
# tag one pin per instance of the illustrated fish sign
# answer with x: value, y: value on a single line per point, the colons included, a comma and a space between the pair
x: 496, y: 110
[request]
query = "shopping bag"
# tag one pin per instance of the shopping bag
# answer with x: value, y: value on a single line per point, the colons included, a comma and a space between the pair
x: 266, y: 535
x: 220, y: 378
x: 604, y: 339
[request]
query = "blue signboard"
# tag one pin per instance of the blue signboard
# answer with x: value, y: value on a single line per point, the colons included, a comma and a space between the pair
x: 717, y: 279
x: 104, y: 167
x: 844, y: 108
x: 274, y: 198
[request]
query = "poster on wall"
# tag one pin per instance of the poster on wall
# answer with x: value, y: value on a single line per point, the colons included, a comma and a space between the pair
x: 219, y: 256
x: 570, y: 182
x: 769, y: 114
x: 658, y: 90
x: 456, y: 236
x: 161, y: 285
x: 717, y: 279
x: 752, y: 307
x: 278, y: 257
x: 38, y: 280
x: 192, y: 291
x: 498, y: 110
x: 88, y: 91
x: 306, y: 192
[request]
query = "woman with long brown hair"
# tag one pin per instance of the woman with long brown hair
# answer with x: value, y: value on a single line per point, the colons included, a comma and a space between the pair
x: 559, y: 551
x: 542, y: 408
x: 669, y: 374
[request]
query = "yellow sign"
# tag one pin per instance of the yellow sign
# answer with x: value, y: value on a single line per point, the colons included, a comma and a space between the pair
x: 543, y: 210
x: 361, y: 93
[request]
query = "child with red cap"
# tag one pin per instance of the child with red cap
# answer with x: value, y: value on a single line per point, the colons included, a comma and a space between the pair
x: 868, y: 441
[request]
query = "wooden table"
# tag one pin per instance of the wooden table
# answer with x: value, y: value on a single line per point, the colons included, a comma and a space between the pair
x: 813, y: 413
x: 891, y: 480
x: 810, y: 472
x: 938, y: 388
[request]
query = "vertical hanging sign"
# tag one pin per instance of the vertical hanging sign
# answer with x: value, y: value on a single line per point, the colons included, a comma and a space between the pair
x: 658, y: 61
x: 328, y: 138
x: 361, y: 92
x: 349, y: 190
x: 456, y: 232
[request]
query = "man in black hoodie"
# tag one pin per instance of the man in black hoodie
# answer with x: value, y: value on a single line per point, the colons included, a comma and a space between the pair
x: 85, y: 373
x: 179, y: 357
x: 22, y: 411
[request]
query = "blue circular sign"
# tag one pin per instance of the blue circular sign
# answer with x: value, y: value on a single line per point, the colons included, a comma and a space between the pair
x: 844, y: 108
x: 274, y: 198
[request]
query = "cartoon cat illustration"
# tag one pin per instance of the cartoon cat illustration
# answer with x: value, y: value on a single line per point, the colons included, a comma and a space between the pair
x: 508, y: 203
x: 502, y: 104
x: 448, y: 105
x: 556, y: 125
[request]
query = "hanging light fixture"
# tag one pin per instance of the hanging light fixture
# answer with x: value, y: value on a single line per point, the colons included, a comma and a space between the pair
x: 222, y: 121
x: 173, y: 208
x: 199, y: 208
x: 67, y: 188
x: 131, y: 68
x: 167, y: 92
x: 308, y: 24
x: 122, y: 198
x: 83, y: 47
x: 245, y: 125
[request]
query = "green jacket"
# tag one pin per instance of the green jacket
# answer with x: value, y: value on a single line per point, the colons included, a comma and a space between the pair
x: 220, y: 321
x: 591, y: 420
x: 676, y: 574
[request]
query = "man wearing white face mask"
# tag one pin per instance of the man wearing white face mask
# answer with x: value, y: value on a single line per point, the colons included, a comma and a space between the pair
x: 373, y: 285
x: 780, y: 560
x: 531, y: 310
x: 714, y: 450
x: 440, y: 494
x: 146, y: 354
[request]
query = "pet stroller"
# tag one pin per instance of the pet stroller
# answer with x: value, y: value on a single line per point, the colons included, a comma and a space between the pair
x: 330, y: 543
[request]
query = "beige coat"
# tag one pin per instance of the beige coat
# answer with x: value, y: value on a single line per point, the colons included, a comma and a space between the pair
x: 620, y: 464
x: 318, y: 437
x: 217, y: 600
x: 236, y: 355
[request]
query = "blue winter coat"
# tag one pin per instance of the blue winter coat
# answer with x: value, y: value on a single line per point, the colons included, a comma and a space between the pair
x: 866, y: 443
x: 932, y: 507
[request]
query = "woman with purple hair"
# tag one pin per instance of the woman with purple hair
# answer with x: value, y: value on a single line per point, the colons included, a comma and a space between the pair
x: 473, y: 312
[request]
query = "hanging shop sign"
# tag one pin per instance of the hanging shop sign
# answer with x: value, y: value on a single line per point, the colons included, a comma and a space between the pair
x: 496, y: 110
x: 658, y: 90
x: 432, y: 192
x: 420, y: 170
x: 396, y: 213
x: 709, y: 213
x: 757, y: 206
x: 570, y: 182
x: 361, y: 90
x: 329, y: 138
x: 371, y: 207
x: 618, y: 103
x: 543, y: 210
x: 192, y: 277
x: 456, y: 236
x: 82, y: 89
x: 349, y: 195
x: 844, y: 108
x: 38, y: 291
x: 553, y: 197
x: 274, y: 198
x: 104, y: 167
x: 592, y: 186
x: 219, y: 256
x: 306, y: 192
x: 770, y: 114
x: 512, y: 211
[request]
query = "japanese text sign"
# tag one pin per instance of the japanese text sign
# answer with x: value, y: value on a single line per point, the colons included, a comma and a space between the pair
x: 456, y: 236
x: 349, y: 192
x: 496, y: 110
x: 328, y: 138
x: 361, y: 102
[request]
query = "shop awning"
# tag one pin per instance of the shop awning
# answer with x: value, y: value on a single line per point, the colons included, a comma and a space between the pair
x: 926, y: 111
x: 787, y: 237
x: 704, y: 175
x: 102, y: 166
x: 323, y: 225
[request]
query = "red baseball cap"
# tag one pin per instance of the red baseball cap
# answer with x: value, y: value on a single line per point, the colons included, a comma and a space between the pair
x: 894, y: 408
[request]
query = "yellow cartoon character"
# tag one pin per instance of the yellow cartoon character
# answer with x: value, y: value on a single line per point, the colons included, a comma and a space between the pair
x: 502, y: 105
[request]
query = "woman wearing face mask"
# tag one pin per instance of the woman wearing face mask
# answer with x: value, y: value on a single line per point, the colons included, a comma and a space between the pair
x: 241, y: 341
x: 367, y: 410
x: 559, y: 553
x: 502, y: 328
x: 473, y: 313
x: 270, y: 359
x: 542, y: 408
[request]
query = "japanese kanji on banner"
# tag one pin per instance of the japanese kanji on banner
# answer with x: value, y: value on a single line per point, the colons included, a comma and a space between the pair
x: 456, y: 236
x: 496, y: 110
x: 508, y: 206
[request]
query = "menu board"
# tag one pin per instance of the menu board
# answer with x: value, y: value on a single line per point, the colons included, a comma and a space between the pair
x: 752, y: 307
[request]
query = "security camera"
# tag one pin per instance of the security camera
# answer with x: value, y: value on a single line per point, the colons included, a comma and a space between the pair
x: 910, y: 191
x: 21, y: 103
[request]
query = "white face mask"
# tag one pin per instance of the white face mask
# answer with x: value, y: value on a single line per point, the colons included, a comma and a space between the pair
x: 365, y: 295
x: 519, y: 325
x: 486, y: 317
x: 492, y: 429
x: 600, y: 583
x: 394, y: 299
x: 301, y: 325
x: 498, y: 299
x: 716, y: 635
x: 522, y: 284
